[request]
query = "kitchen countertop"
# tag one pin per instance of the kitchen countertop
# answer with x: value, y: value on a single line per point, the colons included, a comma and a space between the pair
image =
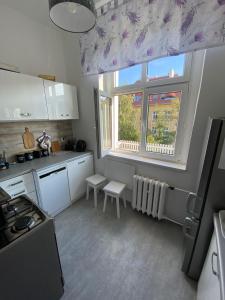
x: 221, y: 253
x: 40, y: 163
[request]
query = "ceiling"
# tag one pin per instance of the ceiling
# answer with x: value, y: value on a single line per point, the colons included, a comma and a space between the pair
x: 36, y: 9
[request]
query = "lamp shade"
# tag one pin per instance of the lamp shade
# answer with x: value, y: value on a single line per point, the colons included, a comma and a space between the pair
x: 73, y: 15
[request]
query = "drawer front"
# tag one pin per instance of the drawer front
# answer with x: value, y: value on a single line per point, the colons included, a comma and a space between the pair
x: 12, y: 184
x: 19, y: 185
x: 19, y: 191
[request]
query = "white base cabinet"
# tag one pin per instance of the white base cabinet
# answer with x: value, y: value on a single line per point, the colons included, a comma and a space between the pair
x: 209, y: 284
x: 78, y: 171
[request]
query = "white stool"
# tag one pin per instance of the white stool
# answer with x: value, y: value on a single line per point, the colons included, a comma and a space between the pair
x: 114, y: 189
x: 96, y: 182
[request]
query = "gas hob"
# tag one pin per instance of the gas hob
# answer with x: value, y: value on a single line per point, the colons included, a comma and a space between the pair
x: 21, y: 216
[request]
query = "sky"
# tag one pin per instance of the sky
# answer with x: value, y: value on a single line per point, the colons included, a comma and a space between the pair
x: 156, y: 68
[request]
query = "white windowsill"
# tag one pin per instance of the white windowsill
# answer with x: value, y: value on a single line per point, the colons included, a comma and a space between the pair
x: 146, y: 160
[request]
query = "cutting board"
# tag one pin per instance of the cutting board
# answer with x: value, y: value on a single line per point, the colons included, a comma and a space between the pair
x: 28, y: 139
x: 56, y: 146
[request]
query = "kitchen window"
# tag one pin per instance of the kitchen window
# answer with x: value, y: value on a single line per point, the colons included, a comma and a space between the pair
x: 149, y: 109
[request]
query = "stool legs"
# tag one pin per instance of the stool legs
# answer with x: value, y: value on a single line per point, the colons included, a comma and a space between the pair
x: 105, y: 202
x: 124, y: 199
x: 87, y: 194
x: 95, y: 197
x: 118, y: 206
x: 117, y: 197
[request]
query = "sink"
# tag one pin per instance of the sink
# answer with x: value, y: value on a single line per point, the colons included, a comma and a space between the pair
x: 222, y: 221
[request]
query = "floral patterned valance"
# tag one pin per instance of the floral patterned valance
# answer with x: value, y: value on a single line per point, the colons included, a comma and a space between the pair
x: 142, y: 30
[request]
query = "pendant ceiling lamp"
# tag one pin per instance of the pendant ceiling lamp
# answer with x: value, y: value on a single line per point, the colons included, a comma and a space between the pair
x: 73, y: 15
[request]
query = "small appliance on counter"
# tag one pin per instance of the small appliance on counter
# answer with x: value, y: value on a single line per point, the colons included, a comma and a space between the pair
x: 70, y: 145
x: 20, y: 158
x: 25, y: 156
x: 28, y: 252
x: 44, y: 152
x: 37, y: 154
x: 81, y: 146
x: 29, y: 156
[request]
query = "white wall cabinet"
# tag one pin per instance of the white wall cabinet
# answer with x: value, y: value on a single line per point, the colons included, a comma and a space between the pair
x: 61, y: 100
x: 78, y: 171
x: 22, y: 97
x: 25, y: 97
x: 209, y: 284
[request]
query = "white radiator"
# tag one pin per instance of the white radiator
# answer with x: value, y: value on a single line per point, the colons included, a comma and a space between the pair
x: 149, y: 196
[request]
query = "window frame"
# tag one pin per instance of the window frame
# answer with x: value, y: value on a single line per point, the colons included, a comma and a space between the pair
x: 144, y: 83
x: 194, y: 66
x: 180, y: 141
x: 101, y: 150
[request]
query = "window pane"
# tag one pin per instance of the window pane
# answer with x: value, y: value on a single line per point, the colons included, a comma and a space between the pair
x: 166, y: 67
x: 128, y: 76
x: 106, y: 122
x: 163, y: 116
x: 129, y: 121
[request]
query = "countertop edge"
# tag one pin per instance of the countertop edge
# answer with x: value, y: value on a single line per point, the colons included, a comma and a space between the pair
x: 63, y: 161
x: 30, y: 169
x: 221, y: 253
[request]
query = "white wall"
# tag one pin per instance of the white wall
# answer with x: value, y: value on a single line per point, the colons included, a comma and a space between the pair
x: 32, y: 47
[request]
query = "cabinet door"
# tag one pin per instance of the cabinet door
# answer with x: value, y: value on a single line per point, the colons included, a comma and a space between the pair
x: 22, y: 97
x: 78, y: 171
x: 61, y: 100
x: 209, y: 284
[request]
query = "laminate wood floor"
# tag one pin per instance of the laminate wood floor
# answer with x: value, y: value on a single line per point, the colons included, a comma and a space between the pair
x: 133, y: 258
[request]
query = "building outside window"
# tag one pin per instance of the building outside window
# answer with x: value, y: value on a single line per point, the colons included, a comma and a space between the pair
x: 154, y: 115
x: 168, y: 115
x: 154, y: 131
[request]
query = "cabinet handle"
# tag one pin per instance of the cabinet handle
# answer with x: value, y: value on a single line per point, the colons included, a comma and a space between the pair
x: 67, y: 115
x: 17, y: 194
x: 61, y: 115
x: 81, y: 162
x: 213, y: 270
x: 25, y: 114
x: 13, y: 184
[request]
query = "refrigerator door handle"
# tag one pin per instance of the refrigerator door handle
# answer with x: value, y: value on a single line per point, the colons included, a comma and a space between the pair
x: 190, y: 203
x: 212, y: 263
